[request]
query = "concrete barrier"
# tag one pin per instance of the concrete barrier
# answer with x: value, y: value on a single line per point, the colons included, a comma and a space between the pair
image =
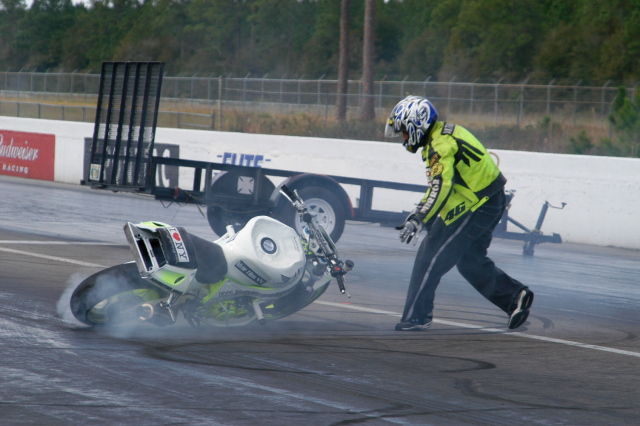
x: 602, y: 193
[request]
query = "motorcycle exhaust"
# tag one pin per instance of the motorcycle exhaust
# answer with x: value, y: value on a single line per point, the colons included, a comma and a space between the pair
x: 155, y: 314
x: 145, y: 312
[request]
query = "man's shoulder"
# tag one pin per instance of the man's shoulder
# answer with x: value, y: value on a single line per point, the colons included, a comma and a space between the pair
x: 448, y: 128
x: 451, y: 130
x: 443, y: 128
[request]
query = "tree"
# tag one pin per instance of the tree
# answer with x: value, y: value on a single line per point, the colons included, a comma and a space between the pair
x: 42, y: 32
x: 425, y: 38
x: 589, y: 40
x: 279, y: 30
x: 96, y: 34
x: 218, y: 35
x: 495, y: 37
x: 11, y: 12
x: 155, y: 33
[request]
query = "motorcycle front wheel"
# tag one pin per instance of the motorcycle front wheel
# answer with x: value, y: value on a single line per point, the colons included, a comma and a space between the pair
x: 293, y: 302
x: 112, y: 296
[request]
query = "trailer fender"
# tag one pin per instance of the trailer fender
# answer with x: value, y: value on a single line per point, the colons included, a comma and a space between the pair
x: 325, y: 198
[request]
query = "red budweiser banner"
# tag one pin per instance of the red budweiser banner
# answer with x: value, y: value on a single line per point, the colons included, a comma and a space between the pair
x: 30, y: 155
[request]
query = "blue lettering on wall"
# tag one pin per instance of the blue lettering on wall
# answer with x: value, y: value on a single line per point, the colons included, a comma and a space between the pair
x: 250, y: 160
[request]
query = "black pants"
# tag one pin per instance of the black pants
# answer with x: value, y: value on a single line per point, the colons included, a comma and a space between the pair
x: 463, y: 243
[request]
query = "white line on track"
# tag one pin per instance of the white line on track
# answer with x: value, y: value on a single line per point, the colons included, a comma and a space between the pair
x: 490, y: 330
x: 59, y: 259
x: 67, y: 243
x: 358, y: 308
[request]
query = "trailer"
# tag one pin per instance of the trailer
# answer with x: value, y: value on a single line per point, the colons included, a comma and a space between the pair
x: 234, y: 194
x: 119, y: 157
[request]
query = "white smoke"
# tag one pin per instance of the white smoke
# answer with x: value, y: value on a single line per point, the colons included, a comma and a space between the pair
x: 63, y: 307
x: 131, y: 329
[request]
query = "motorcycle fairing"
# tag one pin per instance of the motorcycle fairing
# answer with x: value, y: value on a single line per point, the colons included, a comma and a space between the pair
x: 157, y: 259
x: 267, y: 254
x: 267, y: 258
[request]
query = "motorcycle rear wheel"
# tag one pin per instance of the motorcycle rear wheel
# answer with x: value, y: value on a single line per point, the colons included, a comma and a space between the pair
x: 112, y: 296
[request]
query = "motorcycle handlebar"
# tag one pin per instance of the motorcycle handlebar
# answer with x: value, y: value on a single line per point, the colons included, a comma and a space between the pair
x: 340, y: 279
x: 325, y: 245
x: 348, y: 265
x: 339, y: 270
x: 292, y: 196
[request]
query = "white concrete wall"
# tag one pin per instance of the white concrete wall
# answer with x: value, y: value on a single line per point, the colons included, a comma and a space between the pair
x: 602, y: 193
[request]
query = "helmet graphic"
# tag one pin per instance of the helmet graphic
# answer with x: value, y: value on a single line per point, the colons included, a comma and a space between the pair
x: 414, y: 115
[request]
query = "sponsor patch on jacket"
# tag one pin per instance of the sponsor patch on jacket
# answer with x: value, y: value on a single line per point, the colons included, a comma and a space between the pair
x: 448, y: 129
x: 436, y: 170
x: 434, y: 159
x: 456, y: 211
x: 429, y: 177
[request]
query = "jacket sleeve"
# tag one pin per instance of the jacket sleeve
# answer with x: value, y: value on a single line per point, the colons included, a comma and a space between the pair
x: 440, y: 159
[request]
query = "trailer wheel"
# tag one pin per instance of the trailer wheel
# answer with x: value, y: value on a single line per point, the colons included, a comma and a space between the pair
x: 219, y: 219
x: 323, y: 205
x: 230, y: 199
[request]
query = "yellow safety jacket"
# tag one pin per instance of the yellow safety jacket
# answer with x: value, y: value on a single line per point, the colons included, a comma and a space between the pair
x: 461, y: 173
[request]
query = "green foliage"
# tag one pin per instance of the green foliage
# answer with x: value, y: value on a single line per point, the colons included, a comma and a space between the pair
x: 324, y: 41
x: 588, y: 40
x: 580, y: 144
x: 625, y: 118
x: 41, y: 32
x: 495, y: 36
x: 608, y: 148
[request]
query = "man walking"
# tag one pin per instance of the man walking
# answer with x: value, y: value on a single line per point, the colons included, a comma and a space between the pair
x: 464, y: 203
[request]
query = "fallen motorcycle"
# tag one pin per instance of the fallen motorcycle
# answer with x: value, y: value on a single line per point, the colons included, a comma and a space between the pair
x: 263, y: 272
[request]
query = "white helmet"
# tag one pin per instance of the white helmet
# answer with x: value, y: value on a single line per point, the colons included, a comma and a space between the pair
x: 414, y: 115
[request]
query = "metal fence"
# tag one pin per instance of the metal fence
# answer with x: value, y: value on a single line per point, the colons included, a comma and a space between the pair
x: 176, y: 119
x: 497, y: 103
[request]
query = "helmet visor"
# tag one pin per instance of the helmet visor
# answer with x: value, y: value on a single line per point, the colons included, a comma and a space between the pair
x: 389, y: 132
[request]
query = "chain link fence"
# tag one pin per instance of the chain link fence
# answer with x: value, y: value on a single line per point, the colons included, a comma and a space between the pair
x: 31, y: 94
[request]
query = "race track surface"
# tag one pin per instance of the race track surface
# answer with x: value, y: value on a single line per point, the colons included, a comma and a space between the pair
x: 575, y: 361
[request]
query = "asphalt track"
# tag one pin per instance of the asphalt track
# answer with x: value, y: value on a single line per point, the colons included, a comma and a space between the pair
x: 576, y: 361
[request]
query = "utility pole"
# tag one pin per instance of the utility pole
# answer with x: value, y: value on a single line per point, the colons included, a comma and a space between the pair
x: 368, y: 60
x: 343, y: 64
